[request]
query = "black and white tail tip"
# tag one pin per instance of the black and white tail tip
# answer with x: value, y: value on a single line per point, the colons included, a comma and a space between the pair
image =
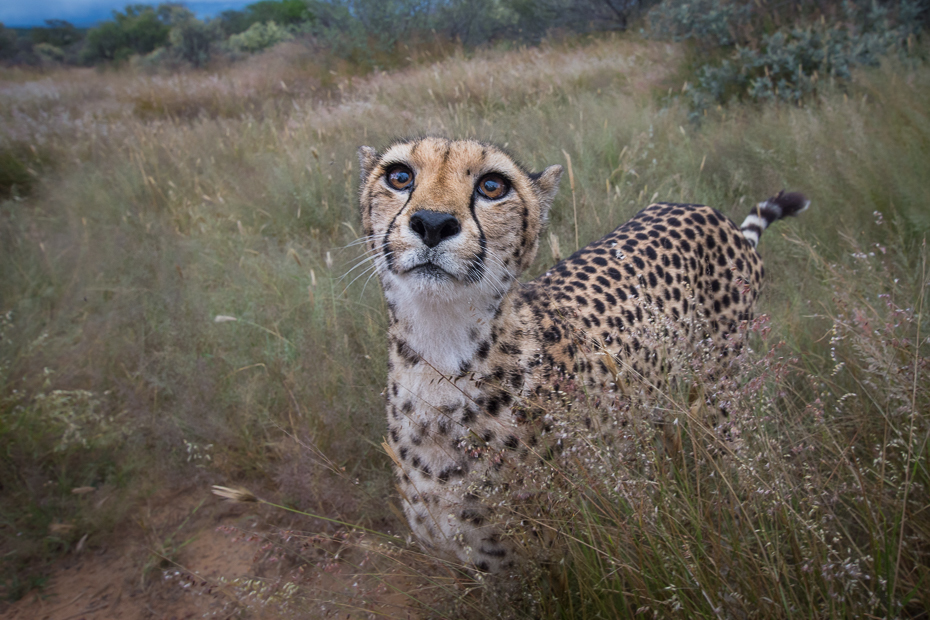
x: 771, y: 210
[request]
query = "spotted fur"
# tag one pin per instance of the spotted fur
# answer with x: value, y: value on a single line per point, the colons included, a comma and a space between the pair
x: 470, y: 344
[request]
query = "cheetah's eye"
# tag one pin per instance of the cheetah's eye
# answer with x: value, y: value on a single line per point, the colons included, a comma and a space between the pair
x: 399, y: 177
x: 493, y: 186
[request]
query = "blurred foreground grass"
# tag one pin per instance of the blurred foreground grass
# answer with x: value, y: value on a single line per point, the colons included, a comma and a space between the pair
x: 180, y: 303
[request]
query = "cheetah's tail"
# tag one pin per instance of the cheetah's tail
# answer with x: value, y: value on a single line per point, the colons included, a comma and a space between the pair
x: 772, y: 210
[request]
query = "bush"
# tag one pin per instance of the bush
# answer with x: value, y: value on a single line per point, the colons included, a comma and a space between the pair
x: 8, y: 47
x: 537, y: 17
x: 193, y: 40
x: 789, y: 64
x: 367, y: 32
x: 140, y: 30
x: 233, y: 22
x: 712, y: 22
x: 56, y: 32
x: 49, y: 53
x: 137, y: 31
x: 285, y: 12
x: 259, y: 37
x: 160, y: 59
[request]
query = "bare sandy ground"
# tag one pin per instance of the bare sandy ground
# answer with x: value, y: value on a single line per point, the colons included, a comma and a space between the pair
x: 192, y: 555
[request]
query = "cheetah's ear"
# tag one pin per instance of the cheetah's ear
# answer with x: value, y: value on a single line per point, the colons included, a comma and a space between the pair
x: 367, y: 158
x: 547, y: 186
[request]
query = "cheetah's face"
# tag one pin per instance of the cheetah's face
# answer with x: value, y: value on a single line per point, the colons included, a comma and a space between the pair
x: 451, y: 218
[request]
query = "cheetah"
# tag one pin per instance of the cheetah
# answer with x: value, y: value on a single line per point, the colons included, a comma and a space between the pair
x: 450, y: 227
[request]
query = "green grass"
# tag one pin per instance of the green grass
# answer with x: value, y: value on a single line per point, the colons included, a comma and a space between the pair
x: 165, y: 201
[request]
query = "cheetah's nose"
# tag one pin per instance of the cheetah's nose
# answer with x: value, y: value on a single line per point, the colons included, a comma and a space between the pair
x: 434, y: 227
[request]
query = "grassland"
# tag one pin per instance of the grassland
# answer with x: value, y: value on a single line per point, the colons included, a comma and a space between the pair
x: 181, y: 305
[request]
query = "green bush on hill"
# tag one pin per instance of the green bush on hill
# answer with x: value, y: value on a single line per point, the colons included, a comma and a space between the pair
x: 49, y: 53
x: 138, y: 30
x: 259, y: 36
x: 790, y: 62
x: 711, y: 22
x: 193, y: 40
x: 57, y: 42
x: 284, y: 12
x: 56, y: 32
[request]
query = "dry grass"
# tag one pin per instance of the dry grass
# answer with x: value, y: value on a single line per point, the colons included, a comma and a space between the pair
x: 161, y: 202
x: 814, y: 501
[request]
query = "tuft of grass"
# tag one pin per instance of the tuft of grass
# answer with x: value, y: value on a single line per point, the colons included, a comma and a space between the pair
x: 164, y: 548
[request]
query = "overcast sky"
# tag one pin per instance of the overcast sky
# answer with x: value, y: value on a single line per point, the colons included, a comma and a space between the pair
x: 20, y: 13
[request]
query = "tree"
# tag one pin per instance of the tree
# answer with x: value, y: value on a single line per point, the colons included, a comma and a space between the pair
x: 474, y: 22
x: 259, y: 36
x: 282, y: 12
x: 234, y: 22
x: 56, y: 32
x: 538, y: 16
x: 138, y: 30
x: 192, y: 40
x: 145, y: 28
x: 8, y: 47
x: 105, y: 42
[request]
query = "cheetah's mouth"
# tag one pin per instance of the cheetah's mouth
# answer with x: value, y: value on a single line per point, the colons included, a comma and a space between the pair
x: 430, y: 271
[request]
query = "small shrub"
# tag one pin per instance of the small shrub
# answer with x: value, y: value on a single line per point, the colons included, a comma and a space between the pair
x: 56, y: 32
x: 790, y: 63
x: 49, y: 53
x: 712, y: 22
x: 153, y: 61
x: 258, y: 37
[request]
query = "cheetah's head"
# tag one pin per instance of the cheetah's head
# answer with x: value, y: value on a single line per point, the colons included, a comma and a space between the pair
x: 451, y: 219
